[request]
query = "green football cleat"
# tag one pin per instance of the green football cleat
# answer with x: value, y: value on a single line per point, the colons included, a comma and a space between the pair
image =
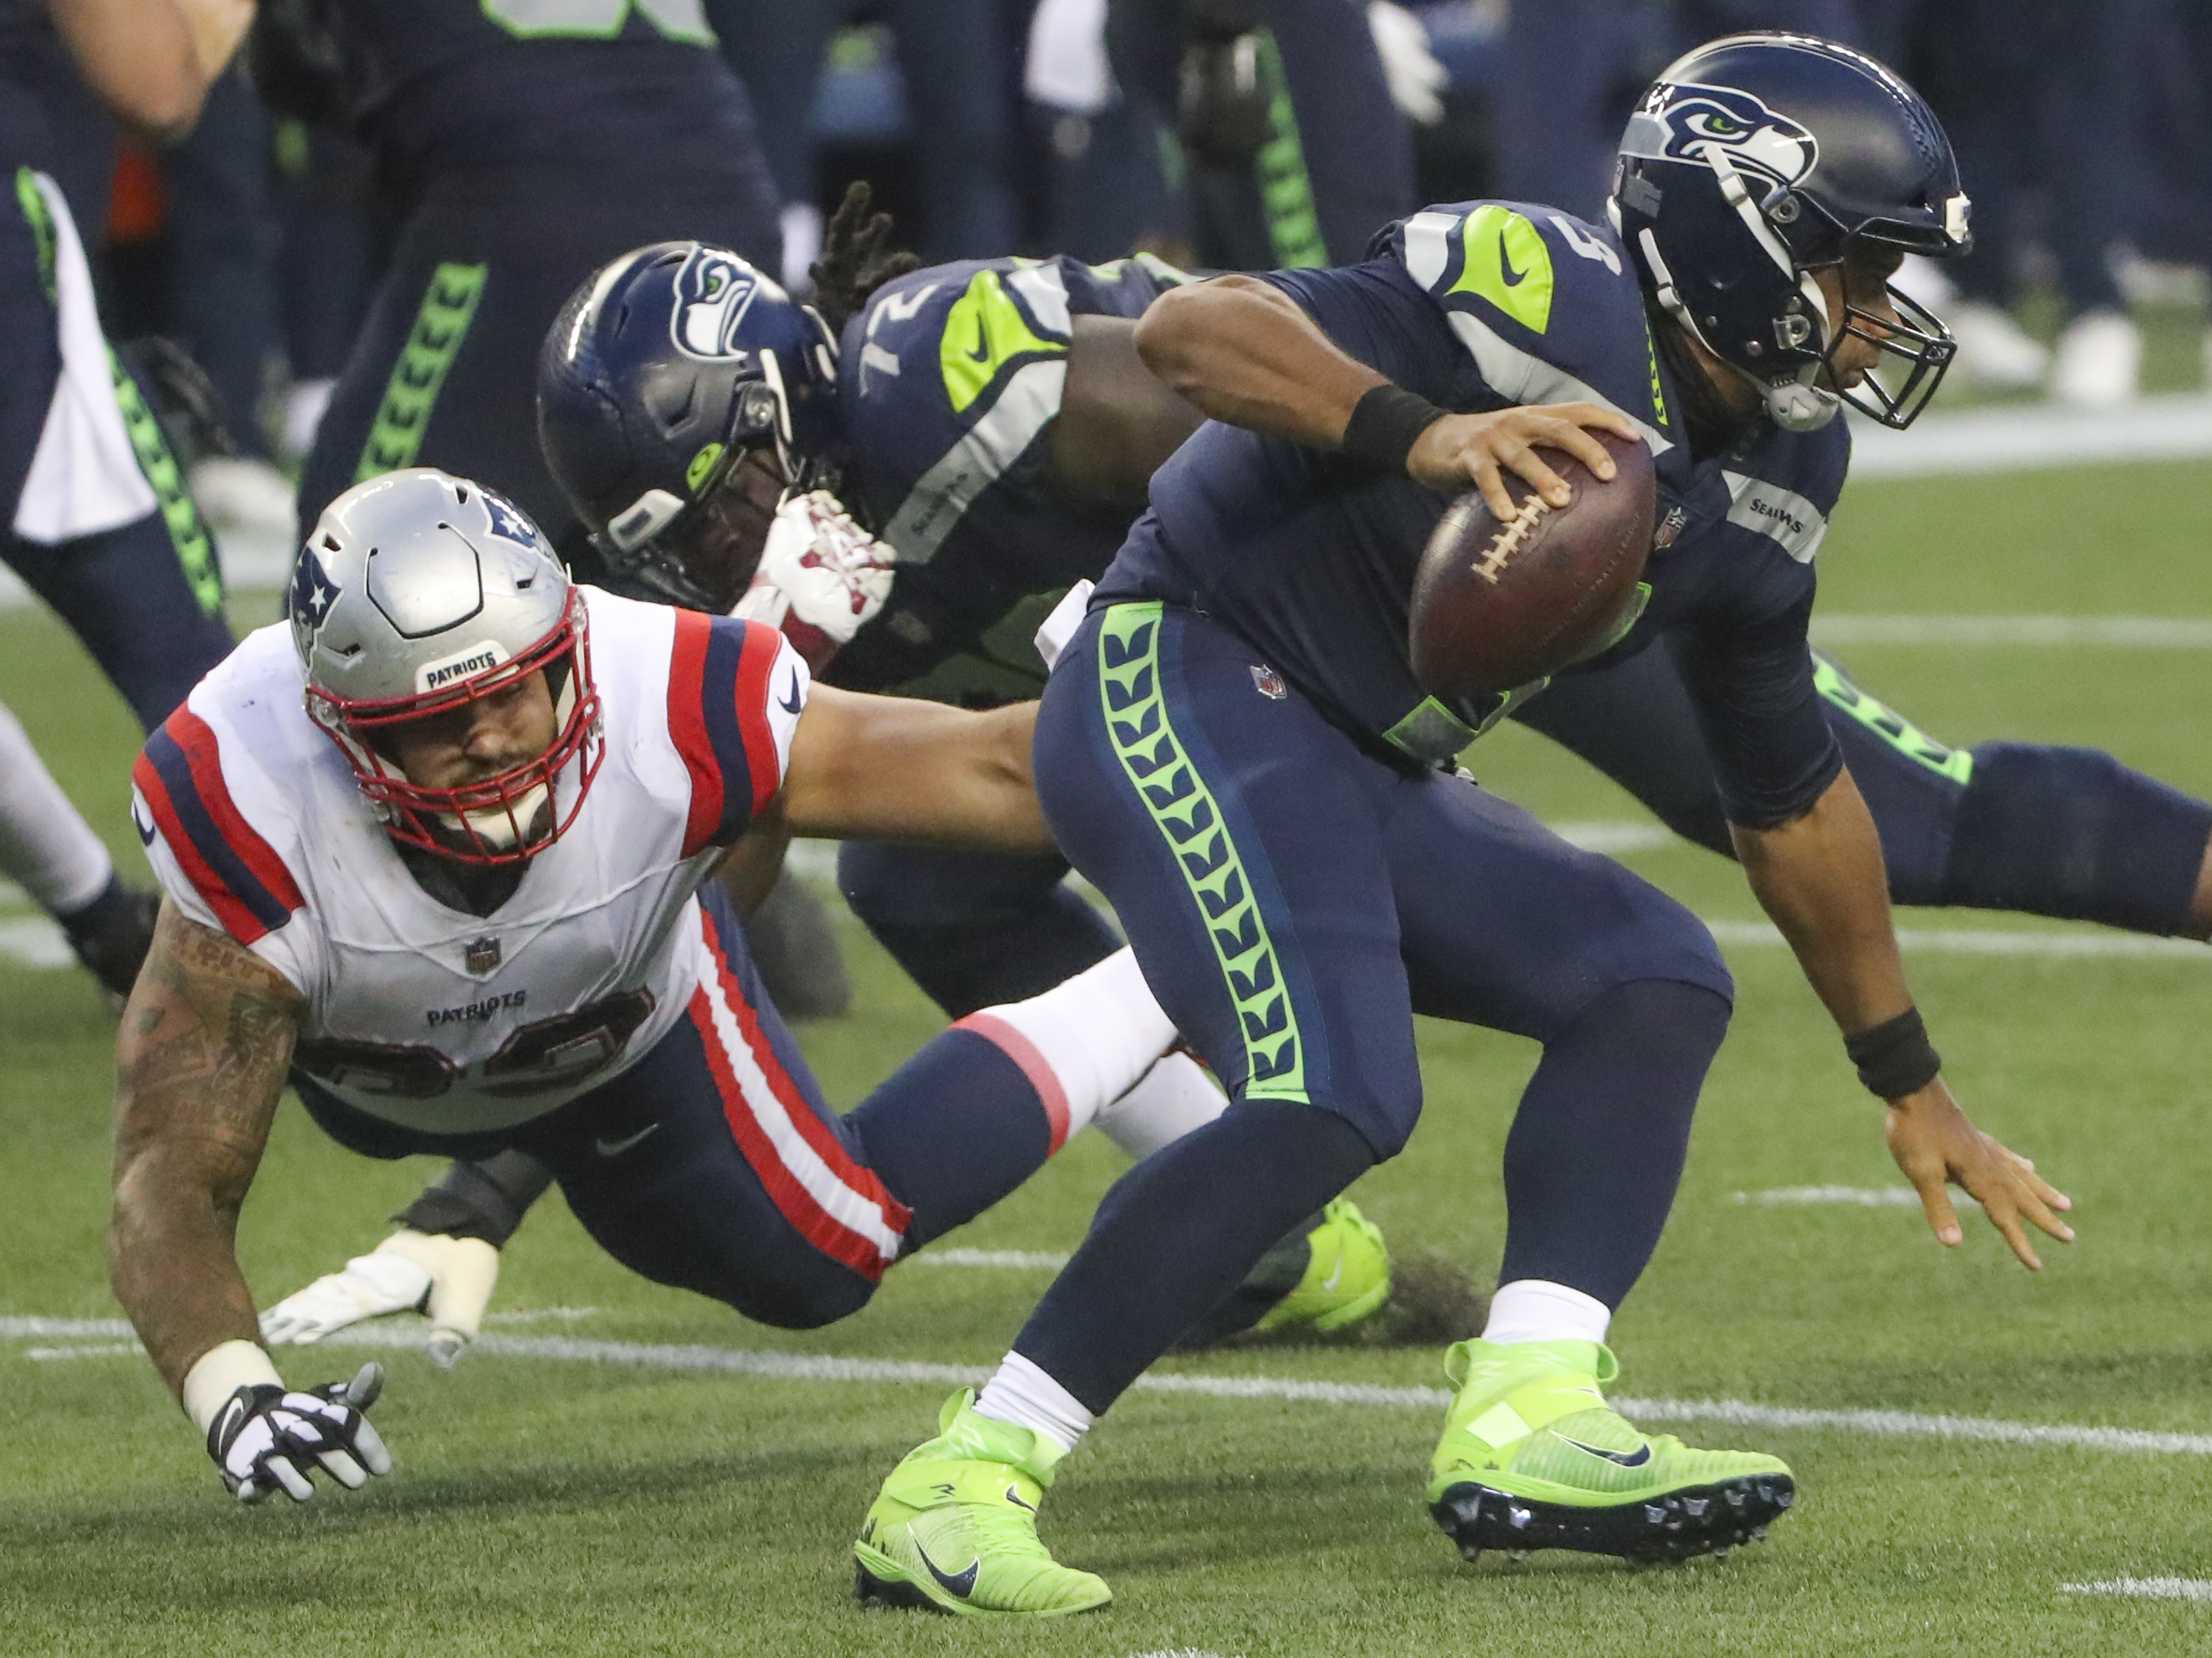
x: 954, y: 1528
x: 1532, y: 1458
x: 1347, y: 1276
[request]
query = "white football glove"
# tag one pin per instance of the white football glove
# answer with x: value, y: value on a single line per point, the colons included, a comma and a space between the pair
x: 266, y: 1438
x: 450, y: 1278
x: 1416, y: 79
x: 822, y: 577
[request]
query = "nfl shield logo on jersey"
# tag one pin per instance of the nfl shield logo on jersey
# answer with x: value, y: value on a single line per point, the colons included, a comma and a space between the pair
x: 1267, y: 682
x: 481, y: 956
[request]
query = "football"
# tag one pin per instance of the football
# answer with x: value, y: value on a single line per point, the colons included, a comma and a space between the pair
x: 1497, y: 605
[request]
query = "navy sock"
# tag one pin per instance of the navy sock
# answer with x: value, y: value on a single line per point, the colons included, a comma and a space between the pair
x: 1178, y: 1233
x: 1596, y: 1148
x: 952, y: 1131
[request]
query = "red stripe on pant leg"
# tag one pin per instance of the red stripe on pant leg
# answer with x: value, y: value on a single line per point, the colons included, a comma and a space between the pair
x: 817, y: 1133
x: 791, y: 1199
x: 1026, y: 1053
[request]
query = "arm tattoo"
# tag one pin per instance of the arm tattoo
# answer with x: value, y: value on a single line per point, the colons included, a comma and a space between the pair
x: 200, y: 1063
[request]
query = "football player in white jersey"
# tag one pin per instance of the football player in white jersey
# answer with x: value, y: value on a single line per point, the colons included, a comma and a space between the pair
x: 434, y: 852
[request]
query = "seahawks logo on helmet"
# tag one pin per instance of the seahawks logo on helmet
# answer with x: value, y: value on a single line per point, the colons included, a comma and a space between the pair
x: 1691, y: 122
x: 309, y: 600
x: 714, y: 291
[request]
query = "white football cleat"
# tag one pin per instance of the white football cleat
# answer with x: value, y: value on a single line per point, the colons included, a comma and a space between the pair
x: 2099, y: 361
x: 450, y: 1278
x: 1995, y: 351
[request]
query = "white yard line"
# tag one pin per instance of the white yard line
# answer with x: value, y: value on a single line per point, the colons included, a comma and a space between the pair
x: 1993, y: 941
x: 2142, y: 633
x: 34, y: 941
x: 1863, y: 1197
x: 2037, y: 437
x: 2146, y: 1588
x: 101, y: 1334
x: 1031, y: 1259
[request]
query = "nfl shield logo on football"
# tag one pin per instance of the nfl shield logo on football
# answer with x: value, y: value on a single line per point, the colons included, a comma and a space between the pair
x: 1267, y: 682
x: 481, y: 956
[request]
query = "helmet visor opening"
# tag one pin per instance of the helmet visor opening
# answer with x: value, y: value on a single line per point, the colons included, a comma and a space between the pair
x: 1914, y: 350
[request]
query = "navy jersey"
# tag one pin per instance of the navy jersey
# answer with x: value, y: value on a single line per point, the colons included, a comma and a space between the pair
x: 49, y: 120
x: 1311, y: 555
x: 609, y: 87
x: 948, y: 385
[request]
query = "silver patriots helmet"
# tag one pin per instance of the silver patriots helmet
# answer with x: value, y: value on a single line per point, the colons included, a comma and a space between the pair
x: 418, y: 593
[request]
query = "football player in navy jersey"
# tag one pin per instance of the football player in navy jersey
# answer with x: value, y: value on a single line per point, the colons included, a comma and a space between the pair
x: 682, y: 395
x: 1233, y: 747
x: 94, y: 514
x: 518, y: 144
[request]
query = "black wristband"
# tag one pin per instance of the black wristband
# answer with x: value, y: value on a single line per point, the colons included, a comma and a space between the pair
x: 1385, y: 423
x: 1895, y: 1058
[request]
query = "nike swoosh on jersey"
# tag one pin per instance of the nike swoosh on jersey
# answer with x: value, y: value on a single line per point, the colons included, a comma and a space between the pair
x: 961, y: 1583
x: 1506, y: 273
x: 792, y: 702
x: 981, y: 351
x: 145, y: 830
x: 1642, y: 1456
x: 607, y: 1148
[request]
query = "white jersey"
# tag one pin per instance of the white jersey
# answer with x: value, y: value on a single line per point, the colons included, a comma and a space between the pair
x: 427, y: 1016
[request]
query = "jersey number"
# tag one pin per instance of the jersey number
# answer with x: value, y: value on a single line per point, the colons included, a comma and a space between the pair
x: 538, y: 1059
x: 599, y: 20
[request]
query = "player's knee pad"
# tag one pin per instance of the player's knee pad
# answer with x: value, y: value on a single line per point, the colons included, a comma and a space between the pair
x: 2074, y: 834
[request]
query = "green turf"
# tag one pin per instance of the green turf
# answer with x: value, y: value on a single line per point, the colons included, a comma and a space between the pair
x: 547, y: 1506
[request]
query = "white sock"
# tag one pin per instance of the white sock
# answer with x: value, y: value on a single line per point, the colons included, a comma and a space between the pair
x: 44, y: 845
x: 1083, y: 1044
x: 1175, y: 1096
x: 801, y: 222
x: 1531, y: 1309
x: 1019, y: 1393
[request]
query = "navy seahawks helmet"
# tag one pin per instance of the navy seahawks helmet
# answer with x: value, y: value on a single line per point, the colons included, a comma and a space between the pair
x: 658, y: 376
x: 1758, y: 159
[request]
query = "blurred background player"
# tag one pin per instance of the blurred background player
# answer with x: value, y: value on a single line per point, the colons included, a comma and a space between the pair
x: 49, y: 850
x: 100, y: 522
x: 627, y: 413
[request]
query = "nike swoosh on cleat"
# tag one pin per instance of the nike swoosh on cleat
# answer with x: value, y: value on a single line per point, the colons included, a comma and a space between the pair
x: 1642, y: 1456
x: 961, y: 1583
x: 1014, y: 1498
x: 1336, y: 1273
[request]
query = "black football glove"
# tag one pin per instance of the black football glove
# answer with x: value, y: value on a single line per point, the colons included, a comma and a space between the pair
x: 268, y: 1437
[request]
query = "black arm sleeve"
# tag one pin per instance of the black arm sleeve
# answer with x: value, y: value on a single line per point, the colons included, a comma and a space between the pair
x: 1772, y: 752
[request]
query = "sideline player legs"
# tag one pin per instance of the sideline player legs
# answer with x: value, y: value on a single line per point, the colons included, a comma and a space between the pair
x: 1235, y: 749
x: 439, y: 849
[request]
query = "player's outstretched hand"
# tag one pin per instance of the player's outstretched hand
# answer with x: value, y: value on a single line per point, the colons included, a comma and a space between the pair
x: 1937, y: 1146
x: 1479, y: 450
x: 269, y: 1438
x: 450, y: 1278
x: 822, y: 577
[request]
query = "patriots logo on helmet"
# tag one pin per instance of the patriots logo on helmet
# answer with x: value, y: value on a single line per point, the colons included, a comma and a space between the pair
x: 714, y: 291
x: 311, y: 594
x: 1691, y: 122
x: 506, y: 519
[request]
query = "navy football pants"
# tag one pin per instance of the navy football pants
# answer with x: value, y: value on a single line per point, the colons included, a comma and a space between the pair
x: 1294, y: 901
x: 146, y: 599
x: 729, y: 1175
x: 445, y: 372
x: 2064, y: 832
